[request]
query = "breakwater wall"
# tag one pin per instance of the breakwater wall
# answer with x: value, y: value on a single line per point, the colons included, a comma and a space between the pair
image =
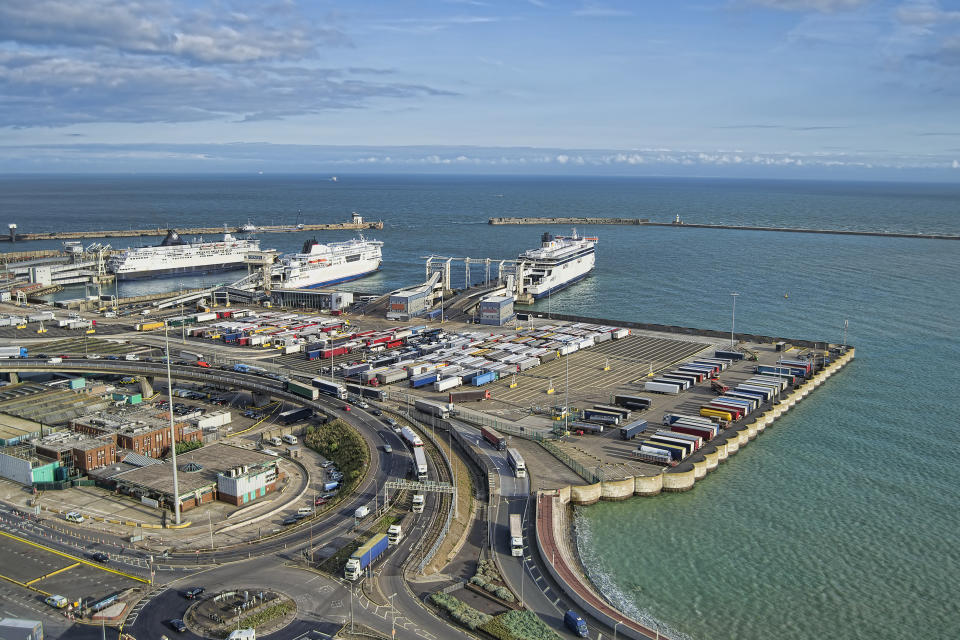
x: 568, y: 220
x: 707, y: 459
x: 735, y: 227
x: 126, y: 233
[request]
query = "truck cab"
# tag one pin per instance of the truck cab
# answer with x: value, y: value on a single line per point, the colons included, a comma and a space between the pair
x: 418, y: 500
x: 394, y: 534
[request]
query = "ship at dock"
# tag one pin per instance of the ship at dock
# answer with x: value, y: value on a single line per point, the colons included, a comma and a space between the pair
x: 557, y: 263
x: 175, y: 256
x: 319, y: 264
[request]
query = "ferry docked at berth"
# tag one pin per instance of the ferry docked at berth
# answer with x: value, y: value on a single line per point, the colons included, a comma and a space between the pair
x: 175, y: 256
x: 559, y: 262
x: 319, y: 264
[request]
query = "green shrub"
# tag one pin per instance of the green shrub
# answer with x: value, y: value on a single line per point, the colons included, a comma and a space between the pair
x: 479, y: 580
x: 504, y: 594
x: 519, y: 625
x: 460, y: 611
x: 340, y: 443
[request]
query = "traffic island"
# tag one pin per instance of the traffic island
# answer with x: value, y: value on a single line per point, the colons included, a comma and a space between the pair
x: 265, y: 611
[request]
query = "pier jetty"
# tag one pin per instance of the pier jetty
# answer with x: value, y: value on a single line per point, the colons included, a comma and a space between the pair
x: 648, y: 223
x: 192, y: 231
x: 568, y: 220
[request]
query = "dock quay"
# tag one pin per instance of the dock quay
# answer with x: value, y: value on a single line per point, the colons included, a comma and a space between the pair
x: 645, y: 222
x: 128, y: 233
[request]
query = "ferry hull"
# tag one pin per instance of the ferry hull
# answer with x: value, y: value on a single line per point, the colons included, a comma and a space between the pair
x: 179, y: 271
x: 562, y: 285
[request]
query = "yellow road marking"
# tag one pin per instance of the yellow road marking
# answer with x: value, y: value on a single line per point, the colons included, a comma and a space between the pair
x: 257, y: 424
x: 70, y: 557
x: 53, y: 573
x: 23, y: 584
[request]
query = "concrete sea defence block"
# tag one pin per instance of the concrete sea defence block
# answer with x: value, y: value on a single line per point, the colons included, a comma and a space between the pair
x: 712, y: 459
x: 733, y: 445
x: 722, y: 452
x: 752, y: 430
x: 648, y: 485
x: 586, y: 494
x: 617, y: 489
x: 700, y: 469
x: 682, y: 481
x: 564, y: 493
x: 743, y: 437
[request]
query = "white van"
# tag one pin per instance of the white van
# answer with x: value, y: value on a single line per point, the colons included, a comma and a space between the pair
x: 73, y: 516
x: 361, y: 512
x: 275, y: 441
x: 304, y: 511
x: 290, y: 439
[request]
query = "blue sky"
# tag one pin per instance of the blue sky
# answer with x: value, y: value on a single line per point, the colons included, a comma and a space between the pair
x: 752, y: 88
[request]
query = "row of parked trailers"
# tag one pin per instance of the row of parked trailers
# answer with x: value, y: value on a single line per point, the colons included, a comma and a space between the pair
x: 745, y: 398
x: 687, y: 375
x: 683, y: 435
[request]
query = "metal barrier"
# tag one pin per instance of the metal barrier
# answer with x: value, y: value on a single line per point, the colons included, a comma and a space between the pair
x: 590, y: 474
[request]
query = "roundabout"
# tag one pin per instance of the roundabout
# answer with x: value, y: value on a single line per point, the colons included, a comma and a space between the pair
x: 264, y: 610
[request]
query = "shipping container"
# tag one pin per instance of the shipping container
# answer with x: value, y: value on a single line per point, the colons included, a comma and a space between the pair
x: 632, y: 430
x: 469, y: 396
x: 303, y: 390
x: 662, y: 387
x: 697, y: 440
x: 713, y: 412
x: 447, y: 383
x: 585, y: 427
x: 676, y: 453
x: 654, y: 455
x: 687, y: 446
x: 484, y: 378
x: 632, y: 402
x: 622, y: 412
x: 735, y: 411
x: 602, y: 417
x: 728, y: 355
x: 670, y: 418
x: 295, y: 415
x: 391, y: 375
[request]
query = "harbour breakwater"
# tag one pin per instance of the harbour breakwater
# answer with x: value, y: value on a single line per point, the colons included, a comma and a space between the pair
x: 648, y: 223
x: 125, y: 233
x: 707, y: 459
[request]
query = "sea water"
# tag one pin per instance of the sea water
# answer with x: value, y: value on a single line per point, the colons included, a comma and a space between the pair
x: 841, y: 519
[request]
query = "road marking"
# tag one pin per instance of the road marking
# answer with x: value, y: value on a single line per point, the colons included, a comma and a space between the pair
x: 53, y: 573
x: 70, y: 557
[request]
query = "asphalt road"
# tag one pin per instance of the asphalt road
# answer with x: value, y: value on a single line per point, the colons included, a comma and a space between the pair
x: 523, y: 574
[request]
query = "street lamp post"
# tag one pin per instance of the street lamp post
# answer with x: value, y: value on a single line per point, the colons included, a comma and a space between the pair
x: 733, y: 318
x: 393, y: 621
x: 615, y: 625
x: 173, y: 434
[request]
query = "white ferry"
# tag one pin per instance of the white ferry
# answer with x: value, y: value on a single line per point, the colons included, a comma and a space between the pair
x: 324, y: 264
x: 559, y: 262
x: 175, y: 256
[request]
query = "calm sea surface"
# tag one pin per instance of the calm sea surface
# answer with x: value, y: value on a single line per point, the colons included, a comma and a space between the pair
x: 840, y: 520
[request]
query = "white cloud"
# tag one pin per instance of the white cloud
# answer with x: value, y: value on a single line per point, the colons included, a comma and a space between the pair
x: 823, y: 6
x: 956, y: 164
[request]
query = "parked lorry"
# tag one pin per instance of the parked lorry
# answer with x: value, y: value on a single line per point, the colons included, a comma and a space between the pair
x: 632, y: 430
x: 469, y: 396
x: 366, y: 555
x: 295, y: 415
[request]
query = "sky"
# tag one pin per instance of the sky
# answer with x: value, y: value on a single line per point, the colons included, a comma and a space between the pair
x: 862, y: 89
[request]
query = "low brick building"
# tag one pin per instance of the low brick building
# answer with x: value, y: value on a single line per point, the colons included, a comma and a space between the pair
x: 79, y: 452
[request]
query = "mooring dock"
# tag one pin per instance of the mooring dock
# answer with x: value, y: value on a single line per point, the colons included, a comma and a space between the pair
x: 191, y: 231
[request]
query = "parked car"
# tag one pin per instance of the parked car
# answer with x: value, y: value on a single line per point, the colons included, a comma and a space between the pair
x: 100, y: 556
x: 290, y: 520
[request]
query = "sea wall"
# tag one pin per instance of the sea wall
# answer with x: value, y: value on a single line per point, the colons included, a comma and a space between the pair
x: 685, y: 476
